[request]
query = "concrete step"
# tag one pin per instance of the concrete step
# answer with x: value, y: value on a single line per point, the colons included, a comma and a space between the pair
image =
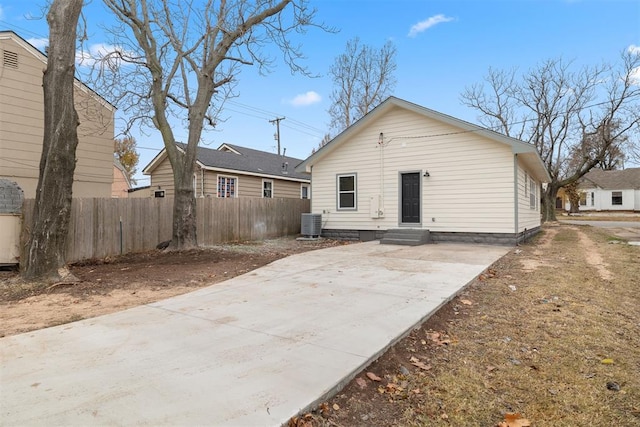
x: 405, y: 236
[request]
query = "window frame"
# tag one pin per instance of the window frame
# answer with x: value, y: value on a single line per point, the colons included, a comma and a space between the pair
x: 533, y: 191
x: 614, y: 196
x: 340, y: 192
x: 264, y: 182
x: 235, y: 186
x: 302, y: 188
x: 583, y: 199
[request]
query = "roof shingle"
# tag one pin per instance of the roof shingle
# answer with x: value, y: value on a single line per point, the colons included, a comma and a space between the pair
x: 612, y: 179
x: 250, y: 160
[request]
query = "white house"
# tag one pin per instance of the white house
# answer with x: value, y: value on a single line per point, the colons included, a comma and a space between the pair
x: 403, y: 166
x: 611, y: 190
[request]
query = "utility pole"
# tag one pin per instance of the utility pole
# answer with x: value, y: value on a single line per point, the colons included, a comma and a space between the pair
x: 277, y: 121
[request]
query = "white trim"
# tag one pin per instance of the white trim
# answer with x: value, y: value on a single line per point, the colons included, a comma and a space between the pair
x: 308, y: 187
x: 355, y: 191
x: 532, y: 158
x: 272, y: 188
x: 236, y: 188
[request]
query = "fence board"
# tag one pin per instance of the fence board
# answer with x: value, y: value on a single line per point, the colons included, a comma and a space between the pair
x: 94, y: 228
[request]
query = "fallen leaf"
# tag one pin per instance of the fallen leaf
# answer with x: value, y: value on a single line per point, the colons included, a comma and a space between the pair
x: 491, y: 368
x: 607, y: 361
x: 416, y: 391
x: 421, y: 365
x: 515, y: 420
x: 414, y: 359
x: 362, y: 383
x: 373, y: 377
x: 336, y: 407
x: 444, y: 416
x: 466, y: 302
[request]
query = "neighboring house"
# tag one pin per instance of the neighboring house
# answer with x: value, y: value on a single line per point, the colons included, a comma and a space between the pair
x: 140, y: 192
x: 403, y: 166
x: 22, y: 123
x: 610, y: 190
x: 234, y: 171
x: 121, y: 184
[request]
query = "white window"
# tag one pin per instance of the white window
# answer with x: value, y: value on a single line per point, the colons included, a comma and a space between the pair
x: 304, y: 191
x: 526, y: 184
x: 227, y: 186
x: 267, y: 188
x: 583, y: 199
x: 347, y: 187
x: 533, y: 195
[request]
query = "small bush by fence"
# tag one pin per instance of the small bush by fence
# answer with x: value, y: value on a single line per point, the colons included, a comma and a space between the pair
x: 107, y: 227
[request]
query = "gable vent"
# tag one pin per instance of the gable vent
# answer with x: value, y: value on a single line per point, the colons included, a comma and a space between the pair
x: 9, y: 59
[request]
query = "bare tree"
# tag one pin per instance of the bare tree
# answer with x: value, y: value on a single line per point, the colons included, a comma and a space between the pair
x: 562, y: 113
x: 363, y: 78
x: 43, y: 255
x: 180, y: 61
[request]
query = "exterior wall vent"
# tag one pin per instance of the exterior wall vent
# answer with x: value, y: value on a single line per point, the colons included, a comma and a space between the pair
x: 9, y: 59
x: 158, y: 193
x: 311, y: 225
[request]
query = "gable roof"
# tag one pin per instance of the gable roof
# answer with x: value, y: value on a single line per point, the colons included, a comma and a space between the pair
x: 526, y: 152
x: 31, y: 49
x: 231, y: 158
x: 118, y: 165
x: 624, y: 179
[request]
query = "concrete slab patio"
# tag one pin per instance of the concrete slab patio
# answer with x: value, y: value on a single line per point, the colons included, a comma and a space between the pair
x: 251, y: 351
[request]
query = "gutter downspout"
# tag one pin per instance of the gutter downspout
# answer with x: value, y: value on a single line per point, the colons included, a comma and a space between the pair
x: 515, y: 195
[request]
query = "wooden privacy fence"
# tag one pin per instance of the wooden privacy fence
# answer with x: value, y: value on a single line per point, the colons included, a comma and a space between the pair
x: 107, y: 227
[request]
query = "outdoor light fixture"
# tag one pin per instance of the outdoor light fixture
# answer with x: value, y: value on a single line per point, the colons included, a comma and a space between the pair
x: 380, y: 139
x: 426, y: 174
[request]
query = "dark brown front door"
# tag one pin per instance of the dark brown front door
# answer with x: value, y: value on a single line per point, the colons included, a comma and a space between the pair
x: 410, y: 198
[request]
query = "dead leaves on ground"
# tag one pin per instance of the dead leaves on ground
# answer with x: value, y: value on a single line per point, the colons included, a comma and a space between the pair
x: 514, y: 420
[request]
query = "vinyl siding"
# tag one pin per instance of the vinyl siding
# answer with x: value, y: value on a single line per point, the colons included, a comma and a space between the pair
x: 22, y: 133
x: 470, y: 187
x: 162, y: 178
x: 527, y: 218
x: 603, y: 198
x: 246, y: 185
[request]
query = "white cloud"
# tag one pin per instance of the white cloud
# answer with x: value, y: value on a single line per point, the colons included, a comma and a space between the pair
x: 97, y: 52
x: 39, y: 43
x: 635, y: 73
x: 428, y: 23
x: 305, y: 99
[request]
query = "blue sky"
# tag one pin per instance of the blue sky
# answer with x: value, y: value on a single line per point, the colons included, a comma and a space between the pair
x: 443, y: 47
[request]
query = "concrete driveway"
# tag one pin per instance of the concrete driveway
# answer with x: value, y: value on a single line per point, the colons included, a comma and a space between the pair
x: 251, y: 351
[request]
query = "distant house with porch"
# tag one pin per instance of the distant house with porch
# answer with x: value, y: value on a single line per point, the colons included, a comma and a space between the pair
x: 234, y: 171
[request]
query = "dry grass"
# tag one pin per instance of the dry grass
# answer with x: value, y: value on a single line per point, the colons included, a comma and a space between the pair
x: 536, y: 350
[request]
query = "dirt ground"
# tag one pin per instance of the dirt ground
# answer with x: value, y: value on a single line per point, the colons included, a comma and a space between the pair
x: 117, y: 283
x: 547, y: 336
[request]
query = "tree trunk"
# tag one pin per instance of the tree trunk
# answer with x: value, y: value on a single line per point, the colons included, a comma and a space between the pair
x: 184, y: 212
x: 44, y: 253
x: 549, y: 203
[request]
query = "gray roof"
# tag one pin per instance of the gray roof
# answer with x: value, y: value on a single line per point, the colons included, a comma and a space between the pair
x: 624, y: 179
x: 250, y: 160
